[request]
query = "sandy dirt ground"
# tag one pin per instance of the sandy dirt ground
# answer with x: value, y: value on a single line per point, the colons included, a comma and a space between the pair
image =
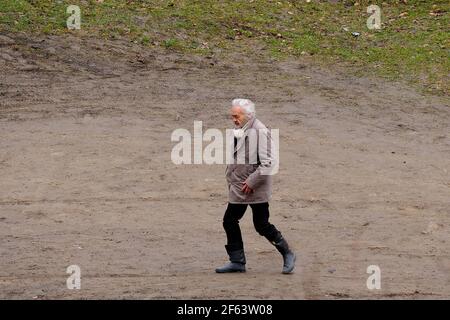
x: 86, y: 177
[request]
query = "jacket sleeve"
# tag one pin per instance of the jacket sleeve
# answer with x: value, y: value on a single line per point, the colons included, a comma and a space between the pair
x: 267, y: 160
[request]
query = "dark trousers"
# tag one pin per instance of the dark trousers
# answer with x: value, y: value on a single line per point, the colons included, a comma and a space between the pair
x: 235, y: 211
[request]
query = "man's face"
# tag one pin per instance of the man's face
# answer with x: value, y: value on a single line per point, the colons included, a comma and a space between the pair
x: 238, y: 116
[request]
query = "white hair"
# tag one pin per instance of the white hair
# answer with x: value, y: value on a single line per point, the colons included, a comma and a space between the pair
x: 246, y: 105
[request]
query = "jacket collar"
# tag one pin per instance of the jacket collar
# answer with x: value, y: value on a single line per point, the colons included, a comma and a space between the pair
x: 241, y: 141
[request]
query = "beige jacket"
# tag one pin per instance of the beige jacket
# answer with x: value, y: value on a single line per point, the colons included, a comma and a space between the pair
x: 258, y: 158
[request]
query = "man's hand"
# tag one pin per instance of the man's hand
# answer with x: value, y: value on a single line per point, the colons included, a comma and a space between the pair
x: 246, y: 189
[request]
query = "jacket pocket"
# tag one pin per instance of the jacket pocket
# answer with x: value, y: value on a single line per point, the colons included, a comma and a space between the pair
x: 243, y: 171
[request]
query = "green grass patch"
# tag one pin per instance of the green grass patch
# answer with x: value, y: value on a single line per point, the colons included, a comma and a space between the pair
x: 413, y: 43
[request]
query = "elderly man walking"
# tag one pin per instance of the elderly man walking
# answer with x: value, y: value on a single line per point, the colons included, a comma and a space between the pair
x: 250, y: 184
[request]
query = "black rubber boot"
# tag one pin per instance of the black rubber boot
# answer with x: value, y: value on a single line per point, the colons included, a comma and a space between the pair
x: 288, y: 256
x: 237, y: 261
